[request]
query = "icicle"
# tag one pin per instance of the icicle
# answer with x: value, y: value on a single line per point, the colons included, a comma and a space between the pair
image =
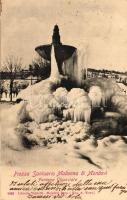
x: 54, y: 68
x: 74, y: 67
x: 82, y: 114
x: 95, y: 94
x: 69, y: 114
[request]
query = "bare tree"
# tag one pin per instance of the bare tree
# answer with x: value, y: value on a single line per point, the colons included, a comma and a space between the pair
x: 12, y: 65
x: 41, y: 67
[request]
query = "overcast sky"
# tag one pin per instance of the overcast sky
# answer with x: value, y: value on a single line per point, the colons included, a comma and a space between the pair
x: 99, y: 27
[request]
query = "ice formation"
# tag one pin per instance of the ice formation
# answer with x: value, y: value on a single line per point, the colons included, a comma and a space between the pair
x: 55, y: 75
x: 96, y: 96
x: 11, y: 137
x: 74, y: 105
x: 49, y: 101
x: 108, y: 88
x: 74, y: 67
x: 61, y: 95
x: 44, y: 103
x: 120, y: 104
x: 43, y: 107
x: 69, y: 114
x: 79, y: 105
x: 42, y: 88
x: 69, y: 67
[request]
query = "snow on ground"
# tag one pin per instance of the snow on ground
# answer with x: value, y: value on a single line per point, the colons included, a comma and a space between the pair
x: 7, y: 98
x: 61, y: 144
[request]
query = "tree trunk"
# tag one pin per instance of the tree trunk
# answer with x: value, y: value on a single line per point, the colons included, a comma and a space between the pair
x: 11, y: 89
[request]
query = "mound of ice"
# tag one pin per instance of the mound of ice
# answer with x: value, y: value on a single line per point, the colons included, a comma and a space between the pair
x: 96, y: 96
x: 9, y: 121
x: 79, y: 106
x: 120, y: 104
x: 106, y: 88
x: 61, y: 95
x: 47, y: 102
x: 44, y: 87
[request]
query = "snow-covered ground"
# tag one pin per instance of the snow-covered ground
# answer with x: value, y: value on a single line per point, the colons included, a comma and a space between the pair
x: 59, y: 144
x: 7, y: 98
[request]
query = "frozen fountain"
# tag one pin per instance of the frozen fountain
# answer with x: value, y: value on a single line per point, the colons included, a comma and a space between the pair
x: 51, y: 112
x: 64, y: 59
x: 83, y: 96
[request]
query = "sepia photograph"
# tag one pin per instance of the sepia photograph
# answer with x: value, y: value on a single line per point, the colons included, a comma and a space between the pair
x: 63, y: 99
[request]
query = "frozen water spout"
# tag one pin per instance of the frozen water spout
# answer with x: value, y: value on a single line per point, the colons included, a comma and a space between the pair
x: 54, y: 68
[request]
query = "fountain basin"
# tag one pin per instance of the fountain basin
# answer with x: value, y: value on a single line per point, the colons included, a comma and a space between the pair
x: 62, y: 52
